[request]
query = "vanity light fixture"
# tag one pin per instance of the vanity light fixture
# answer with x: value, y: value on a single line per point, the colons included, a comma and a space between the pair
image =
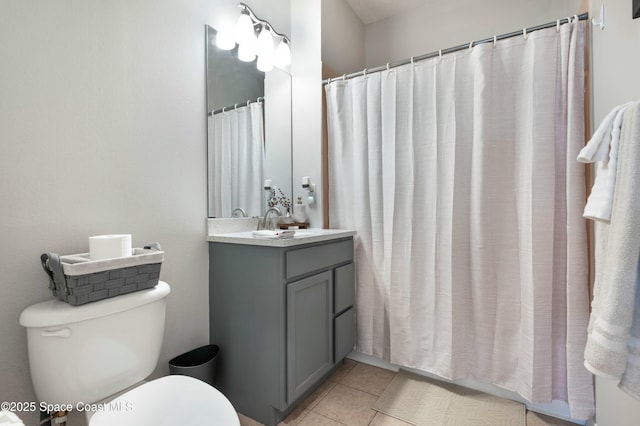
x: 264, y: 63
x: 264, y: 49
x: 250, y: 46
x: 283, y: 53
x: 246, y: 52
x: 244, y: 29
x: 265, y: 41
x: 224, y: 40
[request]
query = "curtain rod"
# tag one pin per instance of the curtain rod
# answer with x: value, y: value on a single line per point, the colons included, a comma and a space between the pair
x: 235, y: 106
x: 582, y: 17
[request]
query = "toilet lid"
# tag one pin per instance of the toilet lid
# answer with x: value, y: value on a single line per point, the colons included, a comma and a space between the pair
x: 171, y: 400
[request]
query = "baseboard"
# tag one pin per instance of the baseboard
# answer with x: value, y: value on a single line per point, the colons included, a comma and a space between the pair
x: 557, y: 409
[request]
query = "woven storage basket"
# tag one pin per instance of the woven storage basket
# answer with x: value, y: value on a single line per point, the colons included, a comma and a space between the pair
x: 76, y: 279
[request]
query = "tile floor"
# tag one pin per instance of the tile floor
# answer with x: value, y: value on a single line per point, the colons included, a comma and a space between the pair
x: 347, y: 396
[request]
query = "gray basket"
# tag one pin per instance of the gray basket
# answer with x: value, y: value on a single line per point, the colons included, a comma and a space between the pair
x: 76, y: 279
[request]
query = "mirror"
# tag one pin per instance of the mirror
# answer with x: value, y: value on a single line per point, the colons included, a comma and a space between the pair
x: 248, y: 132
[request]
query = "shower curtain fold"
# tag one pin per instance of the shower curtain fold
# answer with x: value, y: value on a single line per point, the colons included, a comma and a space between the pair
x: 459, y: 176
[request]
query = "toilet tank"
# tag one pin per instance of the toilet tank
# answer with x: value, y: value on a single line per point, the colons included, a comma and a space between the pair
x: 89, y: 352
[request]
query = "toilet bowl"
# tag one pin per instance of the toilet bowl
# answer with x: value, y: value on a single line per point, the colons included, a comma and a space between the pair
x: 170, y: 400
x: 82, y: 357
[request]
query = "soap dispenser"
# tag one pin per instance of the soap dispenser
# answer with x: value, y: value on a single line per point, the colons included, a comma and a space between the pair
x: 299, y: 214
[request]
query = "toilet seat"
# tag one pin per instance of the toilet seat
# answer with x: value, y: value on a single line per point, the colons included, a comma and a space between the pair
x: 170, y: 400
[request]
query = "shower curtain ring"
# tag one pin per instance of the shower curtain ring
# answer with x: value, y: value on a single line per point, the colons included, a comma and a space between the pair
x: 235, y: 106
x: 558, y: 26
x: 471, y: 45
x: 495, y: 40
x: 412, y: 63
x: 524, y: 33
x: 440, y: 53
x: 258, y: 100
x: 344, y: 77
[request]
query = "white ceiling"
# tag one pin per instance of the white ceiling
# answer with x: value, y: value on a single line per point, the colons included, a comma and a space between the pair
x: 375, y: 10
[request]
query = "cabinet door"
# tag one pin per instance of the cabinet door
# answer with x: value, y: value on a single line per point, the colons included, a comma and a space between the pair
x: 344, y: 288
x: 345, y: 332
x: 309, y: 332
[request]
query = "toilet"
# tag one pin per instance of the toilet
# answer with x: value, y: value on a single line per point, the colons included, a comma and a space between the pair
x: 95, y: 357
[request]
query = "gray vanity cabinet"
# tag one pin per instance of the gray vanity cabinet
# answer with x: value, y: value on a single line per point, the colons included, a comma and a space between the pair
x: 283, y: 318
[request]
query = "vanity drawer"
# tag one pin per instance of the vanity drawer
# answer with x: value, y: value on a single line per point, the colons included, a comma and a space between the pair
x: 344, y: 334
x: 344, y: 287
x: 307, y: 260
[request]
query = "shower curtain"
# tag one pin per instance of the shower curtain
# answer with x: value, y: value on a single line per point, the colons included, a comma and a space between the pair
x: 459, y: 175
x: 236, y: 157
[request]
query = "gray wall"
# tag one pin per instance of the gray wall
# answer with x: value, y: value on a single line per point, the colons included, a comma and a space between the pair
x: 439, y: 24
x: 103, y: 130
x: 342, y: 37
x: 306, y: 115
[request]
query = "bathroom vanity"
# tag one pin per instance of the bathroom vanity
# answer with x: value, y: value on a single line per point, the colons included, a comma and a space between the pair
x: 281, y: 311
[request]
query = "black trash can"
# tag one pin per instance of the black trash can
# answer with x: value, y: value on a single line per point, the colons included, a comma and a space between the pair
x: 199, y: 363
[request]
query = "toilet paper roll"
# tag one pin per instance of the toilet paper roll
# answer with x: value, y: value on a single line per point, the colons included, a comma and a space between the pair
x: 109, y: 246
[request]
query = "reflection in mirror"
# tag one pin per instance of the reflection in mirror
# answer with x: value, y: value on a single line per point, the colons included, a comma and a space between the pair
x: 249, y: 132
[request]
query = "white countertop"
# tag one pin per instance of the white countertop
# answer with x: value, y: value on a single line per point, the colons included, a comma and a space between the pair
x: 303, y: 236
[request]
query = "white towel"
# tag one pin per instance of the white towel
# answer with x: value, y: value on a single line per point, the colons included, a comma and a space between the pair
x: 630, y: 382
x: 597, y: 149
x: 603, y: 148
x: 614, y: 329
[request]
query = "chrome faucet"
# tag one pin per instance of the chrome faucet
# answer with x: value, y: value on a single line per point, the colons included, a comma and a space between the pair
x: 239, y: 212
x: 267, y: 222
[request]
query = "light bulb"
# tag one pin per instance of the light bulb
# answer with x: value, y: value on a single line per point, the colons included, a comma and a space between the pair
x: 283, y: 54
x: 265, y: 63
x: 244, y: 29
x: 246, y: 53
x: 265, y: 43
x: 224, y: 40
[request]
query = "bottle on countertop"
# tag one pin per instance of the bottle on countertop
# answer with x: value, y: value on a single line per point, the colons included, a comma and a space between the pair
x: 299, y: 214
